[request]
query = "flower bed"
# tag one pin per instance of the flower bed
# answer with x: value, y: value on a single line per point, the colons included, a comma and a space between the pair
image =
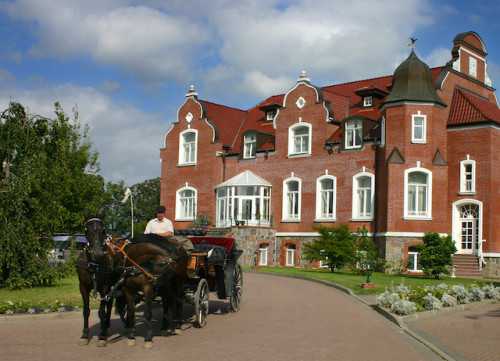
x: 10, y: 308
x: 403, y: 300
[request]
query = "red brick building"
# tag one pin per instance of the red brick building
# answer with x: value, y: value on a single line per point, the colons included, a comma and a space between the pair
x: 405, y: 154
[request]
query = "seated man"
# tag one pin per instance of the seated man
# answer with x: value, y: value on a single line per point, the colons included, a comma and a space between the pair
x: 162, y: 226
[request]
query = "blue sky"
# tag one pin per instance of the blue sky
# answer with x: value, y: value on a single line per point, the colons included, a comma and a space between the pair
x: 127, y: 65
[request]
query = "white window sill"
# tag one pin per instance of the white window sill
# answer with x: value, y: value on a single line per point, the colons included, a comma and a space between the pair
x: 299, y: 155
x: 323, y: 220
x: 417, y: 218
x: 361, y: 219
x: 183, y: 219
x: 186, y: 164
x: 467, y: 193
x: 419, y: 142
x: 295, y: 220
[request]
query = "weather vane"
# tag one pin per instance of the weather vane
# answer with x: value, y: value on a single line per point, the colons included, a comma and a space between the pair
x: 412, y: 45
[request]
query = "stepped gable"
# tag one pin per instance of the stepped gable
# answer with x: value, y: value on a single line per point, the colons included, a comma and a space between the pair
x: 227, y: 120
x: 468, y: 109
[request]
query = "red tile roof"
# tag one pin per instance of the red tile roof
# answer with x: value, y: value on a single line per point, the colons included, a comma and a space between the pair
x: 344, y: 101
x: 468, y: 108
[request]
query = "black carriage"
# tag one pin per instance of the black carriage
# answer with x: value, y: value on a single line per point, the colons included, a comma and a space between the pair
x: 213, y: 268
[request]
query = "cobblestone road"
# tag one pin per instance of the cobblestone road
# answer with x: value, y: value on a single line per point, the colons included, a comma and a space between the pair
x: 280, y: 319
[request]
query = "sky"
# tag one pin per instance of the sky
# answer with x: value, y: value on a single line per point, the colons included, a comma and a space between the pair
x: 127, y: 65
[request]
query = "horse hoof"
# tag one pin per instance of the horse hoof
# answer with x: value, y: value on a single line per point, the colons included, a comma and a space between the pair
x: 83, y: 342
x: 148, y: 345
x: 101, y: 343
x: 131, y: 342
x: 178, y: 332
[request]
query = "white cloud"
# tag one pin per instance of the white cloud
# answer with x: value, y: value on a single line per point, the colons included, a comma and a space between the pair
x: 128, y: 140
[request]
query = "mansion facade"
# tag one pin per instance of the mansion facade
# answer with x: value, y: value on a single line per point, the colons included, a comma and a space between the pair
x: 401, y: 155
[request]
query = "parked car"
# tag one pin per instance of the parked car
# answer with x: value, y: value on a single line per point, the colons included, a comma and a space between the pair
x: 61, y: 252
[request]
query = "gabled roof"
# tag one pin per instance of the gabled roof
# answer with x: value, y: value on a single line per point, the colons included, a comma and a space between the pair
x: 468, y: 109
x: 226, y: 119
x: 345, y: 100
x: 246, y: 178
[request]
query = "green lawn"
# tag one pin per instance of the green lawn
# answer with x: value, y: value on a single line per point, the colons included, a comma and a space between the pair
x: 66, y: 291
x: 380, y: 280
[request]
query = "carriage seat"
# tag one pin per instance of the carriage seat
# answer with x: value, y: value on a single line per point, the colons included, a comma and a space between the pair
x: 217, y: 254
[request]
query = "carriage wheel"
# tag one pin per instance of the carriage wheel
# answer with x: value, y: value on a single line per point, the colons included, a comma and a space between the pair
x: 235, y: 299
x: 201, y: 303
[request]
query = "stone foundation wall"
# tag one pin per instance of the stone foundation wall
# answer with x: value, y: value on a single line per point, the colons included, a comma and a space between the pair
x: 492, y: 268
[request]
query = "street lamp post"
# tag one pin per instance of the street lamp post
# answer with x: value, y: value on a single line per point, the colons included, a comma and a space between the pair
x: 128, y: 193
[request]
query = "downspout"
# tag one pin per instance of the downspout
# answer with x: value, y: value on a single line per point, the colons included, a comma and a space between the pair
x: 375, y: 200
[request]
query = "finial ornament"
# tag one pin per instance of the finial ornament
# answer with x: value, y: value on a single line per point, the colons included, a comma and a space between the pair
x: 412, y: 45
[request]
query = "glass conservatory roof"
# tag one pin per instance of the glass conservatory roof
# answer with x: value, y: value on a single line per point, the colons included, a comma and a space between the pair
x: 246, y: 178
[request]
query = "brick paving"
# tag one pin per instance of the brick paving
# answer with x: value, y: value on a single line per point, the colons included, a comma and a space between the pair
x: 280, y: 319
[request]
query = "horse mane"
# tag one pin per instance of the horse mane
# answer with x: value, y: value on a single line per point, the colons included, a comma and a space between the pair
x: 156, y: 240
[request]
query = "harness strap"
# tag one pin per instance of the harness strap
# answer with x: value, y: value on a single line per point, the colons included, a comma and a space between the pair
x: 120, y: 249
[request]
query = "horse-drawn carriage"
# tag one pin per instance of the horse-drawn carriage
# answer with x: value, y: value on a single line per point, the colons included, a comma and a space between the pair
x: 154, y: 266
x: 213, y: 268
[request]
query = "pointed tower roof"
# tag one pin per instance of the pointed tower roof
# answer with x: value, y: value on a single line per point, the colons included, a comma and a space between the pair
x: 412, y: 81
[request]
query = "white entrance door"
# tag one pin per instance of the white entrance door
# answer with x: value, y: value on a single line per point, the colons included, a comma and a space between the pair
x: 468, y: 228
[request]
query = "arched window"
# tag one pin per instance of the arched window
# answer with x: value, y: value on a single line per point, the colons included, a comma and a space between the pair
x: 291, y: 199
x: 326, y: 198
x: 299, y: 139
x: 188, y: 147
x: 418, y: 193
x: 467, y: 176
x: 362, y: 196
x: 185, y: 208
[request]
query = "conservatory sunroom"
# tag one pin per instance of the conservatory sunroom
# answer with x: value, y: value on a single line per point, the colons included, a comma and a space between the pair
x: 244, y: 200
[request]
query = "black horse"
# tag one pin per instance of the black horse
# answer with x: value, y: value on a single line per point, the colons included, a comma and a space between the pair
x: 96, y: 271
x: 156, y: 266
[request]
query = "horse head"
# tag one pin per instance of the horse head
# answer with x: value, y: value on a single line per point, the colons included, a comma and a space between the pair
x: 95, y: 233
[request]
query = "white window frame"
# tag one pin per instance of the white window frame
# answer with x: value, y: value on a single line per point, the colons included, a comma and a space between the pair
x: 467, y: 179
x: 296, y: 199
x: 249, y: 145
x: 290, y: 254
x: 320, y: 216
x: 263, y: 250
x: 414, y: 256
x: 367, y: 101
x: 415, y: 126
x: 356, y: 215
x: 180, y: 204
x: 292, y: 136
x: 427, y: 215
x: 352, y: 127
x: 182, y: 147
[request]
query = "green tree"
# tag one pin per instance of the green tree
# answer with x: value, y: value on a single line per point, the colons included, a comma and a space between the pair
x: 48, y: 174
x: 435, y: 254
x: 145, y: 200
x: 336, y: 247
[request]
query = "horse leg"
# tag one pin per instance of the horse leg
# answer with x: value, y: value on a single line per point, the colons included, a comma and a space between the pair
x: 148, y: 315
x: 130, y: 324
x: 177, y: 302
x: 164, y: 302
x: 84, y: 340
x: 104, y: 316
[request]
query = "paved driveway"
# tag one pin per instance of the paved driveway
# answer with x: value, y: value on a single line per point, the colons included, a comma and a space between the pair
x: 280, y: 319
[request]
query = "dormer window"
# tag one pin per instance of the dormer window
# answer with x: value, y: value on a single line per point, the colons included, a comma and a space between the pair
x: 270, y: 115
x: 367, y: 101
x: 249, y: 145
x: 353, y: 134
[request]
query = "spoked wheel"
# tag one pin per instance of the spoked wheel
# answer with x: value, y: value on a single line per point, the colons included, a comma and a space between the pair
x: 235, y: 299
x: 201, y: 303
